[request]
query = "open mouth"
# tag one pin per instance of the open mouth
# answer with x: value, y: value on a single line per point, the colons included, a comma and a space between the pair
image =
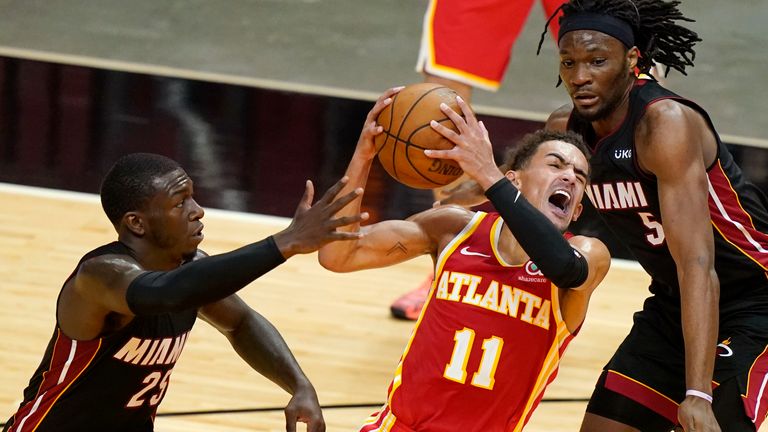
x: 560, y: 199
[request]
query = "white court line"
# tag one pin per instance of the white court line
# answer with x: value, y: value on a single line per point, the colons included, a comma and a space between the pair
x: 71, y: 196
x: 277, y: 221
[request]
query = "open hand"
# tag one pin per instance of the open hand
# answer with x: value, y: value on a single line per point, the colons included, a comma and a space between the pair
x: 365, y: 145
x: 472, y: 146
x: 315, y: 225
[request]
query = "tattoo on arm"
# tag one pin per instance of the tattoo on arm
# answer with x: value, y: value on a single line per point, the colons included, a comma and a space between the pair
x: 398, y: 247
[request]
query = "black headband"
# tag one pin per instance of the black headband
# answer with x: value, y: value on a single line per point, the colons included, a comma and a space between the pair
x: 607, y: 24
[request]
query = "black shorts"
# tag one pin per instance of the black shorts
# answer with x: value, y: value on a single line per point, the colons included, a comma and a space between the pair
x: 648, y: 369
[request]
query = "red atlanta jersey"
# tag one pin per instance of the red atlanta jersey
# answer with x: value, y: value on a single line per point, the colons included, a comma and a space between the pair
x: 487, y: 343
x: 113, y: 383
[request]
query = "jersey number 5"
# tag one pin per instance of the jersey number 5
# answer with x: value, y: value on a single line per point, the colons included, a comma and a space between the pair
x: 655, y: 234
x: 456, y: 369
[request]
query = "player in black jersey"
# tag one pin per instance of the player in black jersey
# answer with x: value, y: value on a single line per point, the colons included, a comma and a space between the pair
x: 124, y: 314
x: 668, y: 188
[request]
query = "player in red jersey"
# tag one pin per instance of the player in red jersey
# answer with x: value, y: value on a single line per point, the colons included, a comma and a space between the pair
x: 466, y: 45
x: 510, y: 291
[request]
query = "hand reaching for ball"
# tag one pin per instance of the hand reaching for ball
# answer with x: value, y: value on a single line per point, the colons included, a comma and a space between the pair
x: 405, y: 133
x: 472, y: 149
x: 365, y: 144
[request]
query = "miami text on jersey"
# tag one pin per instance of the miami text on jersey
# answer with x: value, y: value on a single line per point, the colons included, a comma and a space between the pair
x: 619, y: 195
x: 150, y: 352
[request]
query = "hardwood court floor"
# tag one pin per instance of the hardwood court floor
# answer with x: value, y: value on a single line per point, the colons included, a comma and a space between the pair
x: 336, y: 324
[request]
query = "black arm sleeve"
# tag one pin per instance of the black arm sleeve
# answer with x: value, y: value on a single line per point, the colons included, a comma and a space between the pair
x: 555, y: 257
x: 203, y: 281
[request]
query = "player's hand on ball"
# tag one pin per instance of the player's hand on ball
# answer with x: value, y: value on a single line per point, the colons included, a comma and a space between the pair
x: 473, y: 150
x: 406, y: 133
x: 365, y: 144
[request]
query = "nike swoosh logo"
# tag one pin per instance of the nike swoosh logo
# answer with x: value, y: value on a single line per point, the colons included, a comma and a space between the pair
x: 466, y: 251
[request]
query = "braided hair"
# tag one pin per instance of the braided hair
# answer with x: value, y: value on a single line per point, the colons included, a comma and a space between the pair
x: 657, y: 36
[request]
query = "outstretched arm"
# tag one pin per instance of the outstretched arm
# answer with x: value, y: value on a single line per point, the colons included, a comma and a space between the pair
x: 117, y: 283
x: 260, y: 344
x: 675, y: 144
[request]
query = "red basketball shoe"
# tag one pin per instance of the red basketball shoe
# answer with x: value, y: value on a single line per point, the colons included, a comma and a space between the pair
x: 409, y: 305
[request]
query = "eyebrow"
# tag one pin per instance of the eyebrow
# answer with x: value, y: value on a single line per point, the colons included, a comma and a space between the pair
x: 591, y: 48
x: 575, y: 169
x: 180, y: 188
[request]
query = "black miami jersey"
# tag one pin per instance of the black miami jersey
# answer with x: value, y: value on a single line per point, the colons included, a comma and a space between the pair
x: 112, y: 383
x: 628, y: 201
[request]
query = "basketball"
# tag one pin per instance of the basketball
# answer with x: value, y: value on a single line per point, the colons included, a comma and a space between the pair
x: 407, y: 133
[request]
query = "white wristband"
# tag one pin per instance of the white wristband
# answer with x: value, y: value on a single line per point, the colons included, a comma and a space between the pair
x: 699, y: 394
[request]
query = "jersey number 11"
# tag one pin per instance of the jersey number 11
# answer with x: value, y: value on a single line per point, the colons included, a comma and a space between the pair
x: 456, y: 369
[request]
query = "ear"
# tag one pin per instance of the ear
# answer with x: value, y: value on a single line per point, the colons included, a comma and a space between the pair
x: 577, y: 211
x: 513, y: 177
x: 134, y: 221
x: 632, y: 56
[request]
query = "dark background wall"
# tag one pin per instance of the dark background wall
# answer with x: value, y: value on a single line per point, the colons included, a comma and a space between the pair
x: 247, y: 149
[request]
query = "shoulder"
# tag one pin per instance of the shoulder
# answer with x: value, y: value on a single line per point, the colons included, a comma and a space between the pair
x: 558, y: 120
x: 106, y: 270
x: 668, y: 113
x: 593, y: 249
x: 673, y: 132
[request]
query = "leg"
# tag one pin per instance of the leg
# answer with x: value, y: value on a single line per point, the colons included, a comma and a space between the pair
x: 741, y: 367
x: 610, y: 411
x: 641, y: 385
x: 729, y: 408
x: 470, y: 41
x: 409, y: 305
x: 593, y: 422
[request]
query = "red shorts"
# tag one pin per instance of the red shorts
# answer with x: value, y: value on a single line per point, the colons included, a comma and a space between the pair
x: 470, y: 41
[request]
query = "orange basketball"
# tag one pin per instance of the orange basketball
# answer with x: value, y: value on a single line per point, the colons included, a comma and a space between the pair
x: 407, y: 134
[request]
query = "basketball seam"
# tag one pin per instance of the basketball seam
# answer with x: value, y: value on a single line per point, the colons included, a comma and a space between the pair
x: 400, y: 129
x: 407, y: 157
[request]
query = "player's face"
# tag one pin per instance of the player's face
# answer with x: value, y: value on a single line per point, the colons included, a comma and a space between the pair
x: 597, y: 71
x: 173, y: 216
x: 554, y: 181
